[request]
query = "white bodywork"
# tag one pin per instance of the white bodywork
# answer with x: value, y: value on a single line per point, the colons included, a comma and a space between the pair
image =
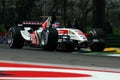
x: 25, y: 34
x: 74, y: 34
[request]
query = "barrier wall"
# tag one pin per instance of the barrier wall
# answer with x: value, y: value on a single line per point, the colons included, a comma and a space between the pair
x: 113, y: 40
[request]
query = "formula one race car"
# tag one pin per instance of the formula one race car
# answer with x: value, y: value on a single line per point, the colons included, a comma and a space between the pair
x: 50, y: 36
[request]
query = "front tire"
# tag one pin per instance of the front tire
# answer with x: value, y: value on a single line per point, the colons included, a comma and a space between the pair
x: 97, y: 47
x: 15, y: 40
x: 96, y: 38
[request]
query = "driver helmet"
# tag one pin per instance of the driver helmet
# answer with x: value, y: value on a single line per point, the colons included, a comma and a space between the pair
x: 56, y: 24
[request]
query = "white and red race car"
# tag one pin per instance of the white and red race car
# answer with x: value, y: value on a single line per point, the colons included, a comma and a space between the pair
x: 49, y: 37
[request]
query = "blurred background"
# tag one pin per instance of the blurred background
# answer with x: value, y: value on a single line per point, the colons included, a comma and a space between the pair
x: 68, y: 12
x: 81, y: 14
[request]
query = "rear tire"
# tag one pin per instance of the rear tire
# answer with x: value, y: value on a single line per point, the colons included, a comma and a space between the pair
x: 15, y: 40
x: 49, y: 38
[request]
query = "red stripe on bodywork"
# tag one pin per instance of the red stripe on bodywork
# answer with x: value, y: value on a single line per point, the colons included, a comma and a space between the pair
x: 62, y: 31
x: 34, y: 38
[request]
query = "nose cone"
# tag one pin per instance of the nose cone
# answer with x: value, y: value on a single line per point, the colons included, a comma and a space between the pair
x: 83, y: 38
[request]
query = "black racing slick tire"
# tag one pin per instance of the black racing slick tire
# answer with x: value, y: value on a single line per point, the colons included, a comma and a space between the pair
x: 96, y: 38
x: 97, y: 47
x: 49, y: 39
x: 15, y: 39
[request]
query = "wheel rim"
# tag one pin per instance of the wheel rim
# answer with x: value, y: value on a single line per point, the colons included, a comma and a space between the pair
x: 10, y: 38
x: 76, y: 46
x: 44, y: 38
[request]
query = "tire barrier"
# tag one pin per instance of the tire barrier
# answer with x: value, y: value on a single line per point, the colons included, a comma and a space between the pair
x: 3, y: 38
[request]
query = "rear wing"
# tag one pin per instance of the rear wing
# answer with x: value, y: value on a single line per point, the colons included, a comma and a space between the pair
x: 30, y: 24
x: 48, y: 22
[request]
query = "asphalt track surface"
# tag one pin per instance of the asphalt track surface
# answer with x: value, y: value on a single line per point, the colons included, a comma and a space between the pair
x: 37, y: 55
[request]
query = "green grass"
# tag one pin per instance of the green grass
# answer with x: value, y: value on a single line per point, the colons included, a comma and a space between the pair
x: 116, y: 30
